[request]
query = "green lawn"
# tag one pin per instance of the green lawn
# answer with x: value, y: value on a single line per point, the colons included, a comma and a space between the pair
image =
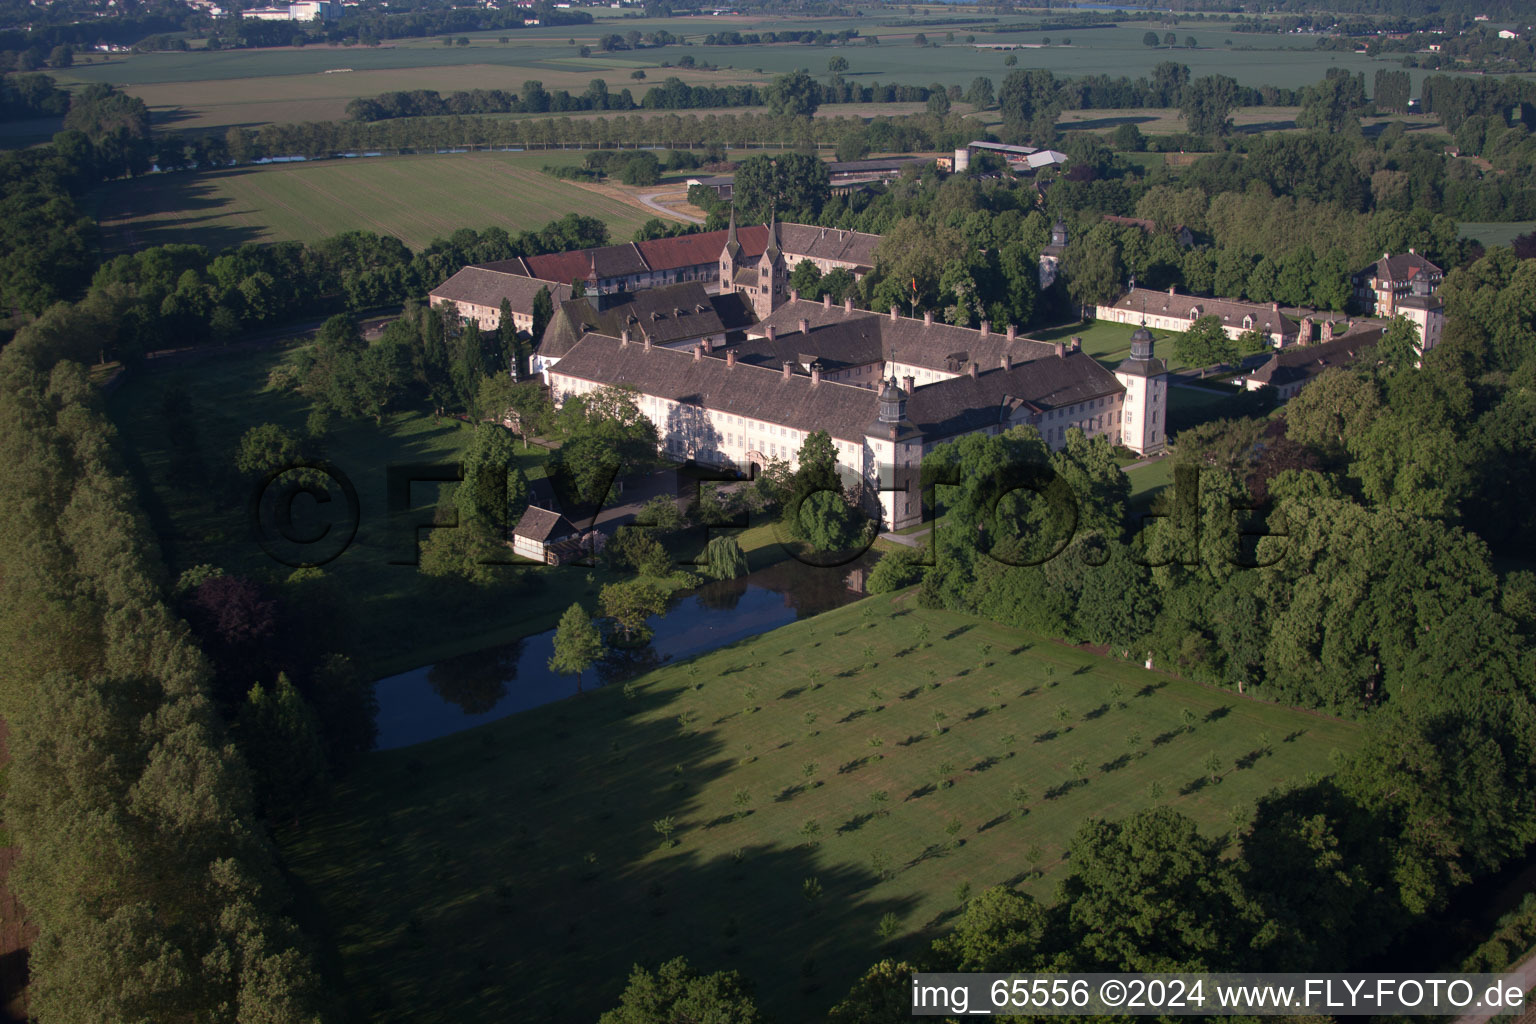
x: 414, y: 198
x: 1496, y: 233
x: 1146, y: 482
x: 513, y: 872
x: 1110, y: 343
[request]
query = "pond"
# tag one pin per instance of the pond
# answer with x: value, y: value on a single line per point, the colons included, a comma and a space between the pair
x: 472, y: 689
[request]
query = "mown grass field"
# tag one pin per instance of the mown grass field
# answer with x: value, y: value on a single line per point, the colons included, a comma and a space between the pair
x: 414, y: 198
x: 513, y: 872
x: 1496, y: 233
x: 1110, y: 343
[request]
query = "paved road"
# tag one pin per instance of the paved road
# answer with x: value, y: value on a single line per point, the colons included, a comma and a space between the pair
x: 649, y: 199
x: 1524, y: 974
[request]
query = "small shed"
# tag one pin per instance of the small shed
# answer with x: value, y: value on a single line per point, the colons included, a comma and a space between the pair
x: 545, y: 536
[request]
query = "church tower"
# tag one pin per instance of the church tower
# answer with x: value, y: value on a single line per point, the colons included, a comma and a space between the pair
x: 730, y: 257
x: 895, y: 450
x: 1144, y: 413
x: 1050, y: 256
x: 771, y: 276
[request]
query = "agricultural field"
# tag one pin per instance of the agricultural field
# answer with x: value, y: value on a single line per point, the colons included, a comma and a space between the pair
x: 1492, y: 234
x: 858, y: 766
x: 414, y: 198
x: 201, y: 89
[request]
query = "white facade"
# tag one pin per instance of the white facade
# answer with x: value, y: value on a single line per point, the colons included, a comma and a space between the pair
x: 1427, y: 314
x: 1189, y: 308
x: 1144, y: 414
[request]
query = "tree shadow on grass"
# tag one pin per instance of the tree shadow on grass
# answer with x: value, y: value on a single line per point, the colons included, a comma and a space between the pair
x: 994, y: 822
x: 1115, y: 764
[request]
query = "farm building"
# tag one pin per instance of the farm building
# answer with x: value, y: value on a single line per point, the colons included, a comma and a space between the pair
x: 545, y: 536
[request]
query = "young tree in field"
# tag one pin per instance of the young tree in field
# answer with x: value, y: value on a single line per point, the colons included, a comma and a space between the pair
x: 1149, y: 39
x: 1204, y: 344
x: 837, y: 65
x: 578, y: 644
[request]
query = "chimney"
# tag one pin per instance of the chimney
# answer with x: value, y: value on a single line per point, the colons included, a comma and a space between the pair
x: 848, y: 304
x: 928, y: 318
x: 730, y: 357
x: 972, y: 369
x: 1077, y: 344
x: 698, y: 351
x: 789, y: 369
x: 647, y: 342
x: 1171, y: 289
x: 986, y: 328
x: 794, y: 295
x: 1061, y: 350
x: 815, y: 374
x: 907, y: 385
x: 1275, y: 306
x: 624, y: 336
x: 805, y: 326
x: 1411, y: 252
x: 826, y: 300
x: 1012, y: 330
x: 893, y: 314
x: 1006, y: 362
x: 772, y: 332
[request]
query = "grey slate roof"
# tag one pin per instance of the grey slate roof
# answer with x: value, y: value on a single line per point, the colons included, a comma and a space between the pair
x: 1302, y: 362
x: 1231, y: 312
x: 540, y: 524
x: 734, y: 311
x: 481, y: 286
x: 938, y: 346
x: 806, y: 241
x: 1403, y: 266
x: 674, y: 313
x: 942, y: 409
x: 965, y: 403
x: 740, y: 390
x: 843, y: 342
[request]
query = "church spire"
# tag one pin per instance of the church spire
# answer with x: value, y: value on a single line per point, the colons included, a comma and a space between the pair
x: 773, y: 251
x: 732, y: 244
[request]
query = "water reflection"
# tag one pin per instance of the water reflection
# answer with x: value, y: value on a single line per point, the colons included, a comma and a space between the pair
x: 471, y: 689
x: 476, y: 681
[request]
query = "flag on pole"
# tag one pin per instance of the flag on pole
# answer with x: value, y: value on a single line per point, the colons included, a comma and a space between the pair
x: 914, y: 286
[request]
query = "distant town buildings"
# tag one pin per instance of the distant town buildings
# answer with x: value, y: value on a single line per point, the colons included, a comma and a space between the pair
x: 304, y: 10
